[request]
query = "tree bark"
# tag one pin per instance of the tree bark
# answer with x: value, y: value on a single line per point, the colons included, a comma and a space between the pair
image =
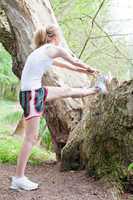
x: 18, y: 21
x: 103, y: 140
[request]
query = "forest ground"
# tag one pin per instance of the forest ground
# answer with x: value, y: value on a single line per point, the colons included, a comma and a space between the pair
x: 54, y: 184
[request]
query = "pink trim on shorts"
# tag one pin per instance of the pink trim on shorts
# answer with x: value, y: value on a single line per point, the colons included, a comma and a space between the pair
x: 33, y: 116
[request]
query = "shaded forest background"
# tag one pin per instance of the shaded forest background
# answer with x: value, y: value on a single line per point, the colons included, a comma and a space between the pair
x: 99, y: 32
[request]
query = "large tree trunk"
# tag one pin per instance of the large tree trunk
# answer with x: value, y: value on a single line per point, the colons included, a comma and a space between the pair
x: 103, y: 140
x: 18, y: 21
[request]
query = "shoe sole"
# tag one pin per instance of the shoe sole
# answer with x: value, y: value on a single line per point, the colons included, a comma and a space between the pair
x: 15, y: 188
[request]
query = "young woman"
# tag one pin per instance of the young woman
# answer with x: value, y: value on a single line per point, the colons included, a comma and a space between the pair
x: 33, y: 95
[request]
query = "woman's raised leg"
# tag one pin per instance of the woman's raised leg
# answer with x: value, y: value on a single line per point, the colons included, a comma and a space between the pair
x: 64, y: 92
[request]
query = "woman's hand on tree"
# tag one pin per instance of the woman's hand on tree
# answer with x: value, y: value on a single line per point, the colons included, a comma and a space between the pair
x: 92, y: 71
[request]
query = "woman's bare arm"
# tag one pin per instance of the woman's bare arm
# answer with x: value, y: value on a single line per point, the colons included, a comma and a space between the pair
x: 56, y: 51
x: 74, y: 61
x: 70, y: 66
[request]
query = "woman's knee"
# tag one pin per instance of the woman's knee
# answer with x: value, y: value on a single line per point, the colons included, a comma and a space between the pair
x: 32, y: 138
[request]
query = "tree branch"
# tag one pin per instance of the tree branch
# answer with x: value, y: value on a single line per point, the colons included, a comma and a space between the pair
x: 110, y: 39
x: 92, y: 24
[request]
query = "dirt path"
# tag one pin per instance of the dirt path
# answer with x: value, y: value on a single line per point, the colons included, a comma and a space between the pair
x: 54, y: 185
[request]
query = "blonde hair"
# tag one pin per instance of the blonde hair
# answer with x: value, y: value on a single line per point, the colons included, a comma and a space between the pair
x: 40, y: 37
x: 43, y: 35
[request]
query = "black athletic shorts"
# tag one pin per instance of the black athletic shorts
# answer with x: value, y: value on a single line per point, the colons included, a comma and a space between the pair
x: 33, y: 102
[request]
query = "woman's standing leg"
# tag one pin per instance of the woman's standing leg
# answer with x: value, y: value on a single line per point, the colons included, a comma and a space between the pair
x: 31, y: 134
x: 64, y: 92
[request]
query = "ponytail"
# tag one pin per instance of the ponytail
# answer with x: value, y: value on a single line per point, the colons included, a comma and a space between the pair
x: 40, y: 37
x: 43, y: 35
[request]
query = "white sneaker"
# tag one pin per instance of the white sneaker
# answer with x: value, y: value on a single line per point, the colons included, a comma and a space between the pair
x: 101, y: 83
x: 23, y: 183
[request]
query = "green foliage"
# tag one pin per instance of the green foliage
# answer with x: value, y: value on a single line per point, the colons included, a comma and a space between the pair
x: 8, y: 81
x: 9, y: 149
x: 6, y: 74
x: 8, y: 116
x: 39, y: 155
x: 7, y: 107
x: 12, y: 117
x: 10, y: 146
x: 103, y: 52
x: 130, y: 167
